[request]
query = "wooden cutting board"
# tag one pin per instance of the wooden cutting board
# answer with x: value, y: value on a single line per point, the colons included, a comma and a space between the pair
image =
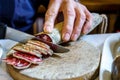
x: 80, y: 63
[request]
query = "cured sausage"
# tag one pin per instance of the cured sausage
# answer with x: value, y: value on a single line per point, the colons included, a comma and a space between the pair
x: 21, y: 56
x: 17, y: 63
x: 27, y: 57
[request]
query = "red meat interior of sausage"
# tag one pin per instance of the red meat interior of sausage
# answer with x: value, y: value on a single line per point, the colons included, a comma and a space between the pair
x: 16, y: 62
x: 44, y: 37
x: 28, y: 57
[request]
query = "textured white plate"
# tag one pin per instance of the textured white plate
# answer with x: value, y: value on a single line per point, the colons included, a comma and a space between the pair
x: 108, y: 54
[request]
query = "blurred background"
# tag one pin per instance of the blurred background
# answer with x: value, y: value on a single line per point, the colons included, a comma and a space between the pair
x: 109, y: 7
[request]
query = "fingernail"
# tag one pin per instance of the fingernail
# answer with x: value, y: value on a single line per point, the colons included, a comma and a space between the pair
x: 66, y: 36
x: 74, y: 37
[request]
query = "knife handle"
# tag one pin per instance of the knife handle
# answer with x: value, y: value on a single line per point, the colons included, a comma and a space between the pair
x: 2, y: 30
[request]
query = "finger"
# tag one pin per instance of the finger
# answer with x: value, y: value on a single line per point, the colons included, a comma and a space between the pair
x: 79, y: 22
x: 88, y: 23
x: 51, y: 14
x: 69, y: 17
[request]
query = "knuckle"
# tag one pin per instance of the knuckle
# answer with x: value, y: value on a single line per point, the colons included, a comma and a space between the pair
x: 77, y: 32
x: 70, y: 12
x: 69, y: 28
x: 79, y: 28
x: 51, y: 13
x: 84, y: 7
x: 83, y: 17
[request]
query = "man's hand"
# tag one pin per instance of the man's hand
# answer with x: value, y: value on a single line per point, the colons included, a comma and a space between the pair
x: 77, y: 18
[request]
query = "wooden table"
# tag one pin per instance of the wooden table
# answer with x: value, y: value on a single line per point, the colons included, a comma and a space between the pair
x: 107, y: 6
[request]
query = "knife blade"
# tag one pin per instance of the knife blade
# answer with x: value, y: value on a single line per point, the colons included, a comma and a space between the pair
x: 22, y: 37
x: 17, y: 35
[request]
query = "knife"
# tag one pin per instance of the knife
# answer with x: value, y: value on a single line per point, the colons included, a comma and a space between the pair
x: 19, y: 36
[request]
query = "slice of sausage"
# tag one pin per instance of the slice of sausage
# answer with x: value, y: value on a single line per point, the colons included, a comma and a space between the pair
x: 27, y: 49
x: 27, y: 57
x: 17, y: 63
